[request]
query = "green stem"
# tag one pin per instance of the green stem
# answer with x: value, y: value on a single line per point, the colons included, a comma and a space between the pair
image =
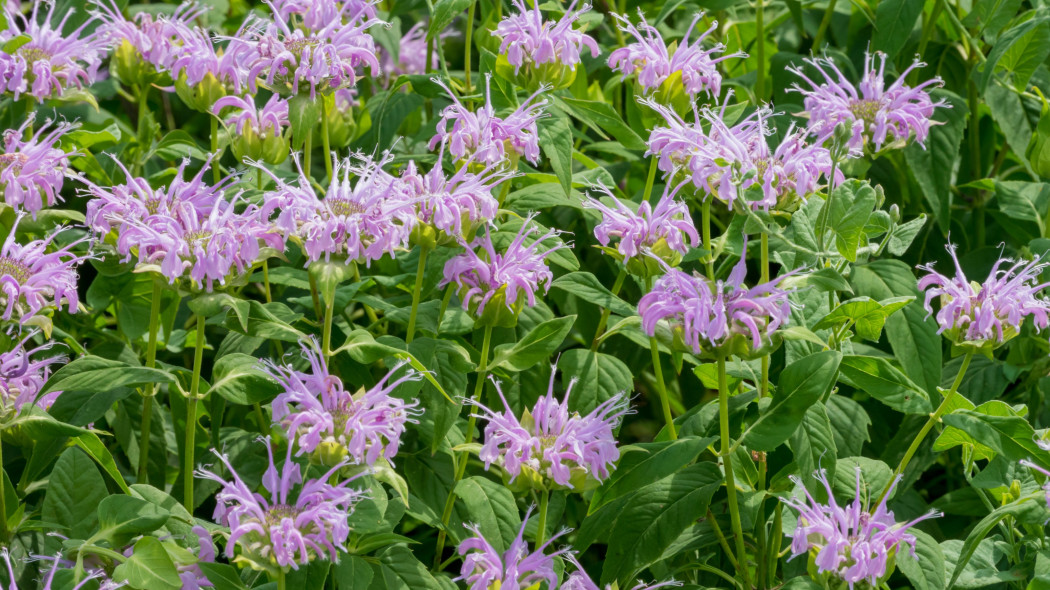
x: 760, y: 536
x: 541, y: 522
x: 727, y: 463
x: 824, y: 22
x: 444, y: 307
x: 313, y: 295
x: 326, y: 148
x: 649, y: 180
x: 620, y: 278
x: 326, y: 334
x: 461, y: 464
x: 416, y: 293
x: 216, y: 174
x: 709, y: 258
x: 5, y: 534
x: 763, y: 387
x: 661, y: 388
x: 775, y: 537
x: 760, y: 50
x: 308, y: 147
x: 282, y: 584
x: 722, y: 539
x: 825, y: 211
x: 147, y: 399
x: 934, y: 418
x: 191, y: 416
x: 974, y: 136
x: 467, y: 47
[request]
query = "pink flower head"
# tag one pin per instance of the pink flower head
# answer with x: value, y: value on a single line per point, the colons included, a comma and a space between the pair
x: 725, y: 161
x: 850, y: 542
x: 709, y: 315
x: 32, y: 171
x: 579, y: 580
x: 51, y: 62
x: 485, y: 568
x: 447, y: 202
x: 650, y: 59
x: 325, y: 58
x: 285, y: 529
x: 361, y: 220
x: 270, y: 120
x: 314, y: 408
x: 874, y: 112
x: 638, y: 232
x: 22, y: 376
x: 990, y: 312
x: 486, y: 138
x: 528, y: 39
x: 33, y: 279
x: 515, y: 274
x: 190, y: 575
x: 557, y: 444
x: 188, y: 229
x: 316, y: 14
x: 201, y: 60
x: 157, y: 38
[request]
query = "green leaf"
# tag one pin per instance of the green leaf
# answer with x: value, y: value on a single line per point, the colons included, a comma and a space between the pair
x: 915, y: 342
x: 600, y: 377
x: 239, y: 379
x: 270, y: 321
x: 490, y: 506
x: 94, y: 373
x: 813, y: 444
x: 934, y: 164
x: 1019, y: 52
x: 223, y: 576
x: 445, y: 11
x: 1010, y: 436
x: 927, y: 570
x: 122, y: 517
x: 90, y: 443
x: 398, y: 569
x: 14, y: 43
x: 877, y: 377
x: 801, y: 384
x: 851, y: 205
x: 654, y: 518
x: 894, y: 21
x: 978, y: 533
x: 587, y: 287
x: 176, y: 145
x: 602, y: 118
x: 644, y: 463
x: 867, y: 315
x: 149, y: 567
x: 989, y: 17
x: 1038, y: 149
x: 212, y: 304
x: 74, y: 491
x: 556, y: 141
x: 537, y: 346
x: 304, y: 113
x: 352, y: 573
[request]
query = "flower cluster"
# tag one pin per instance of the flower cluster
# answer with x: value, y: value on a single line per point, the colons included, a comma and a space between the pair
x: 284, y: 530
x: 22, y: 376
x: 33, y: 170
x: 527, y: 39
x: 354, y: 221
x: 991, y: 312
x: 874, y: 112
x: 653, y: 63
x: 550, y: 441
x: 508, y: 279
x: 579, y: 580
x: 453, y: 204
x: 710, y: 313
x: 270, y: 119
x: 33, y: 279
x: 487, y: 139
x: 188, y: 229
x: 649, y: 230
x: 158, y: 40
x: 50, y: 61
x: 484, y: 567
x: 316, y: 410
x: 850, y: 542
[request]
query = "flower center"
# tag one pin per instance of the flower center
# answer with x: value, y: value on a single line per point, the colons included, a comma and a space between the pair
x: 279, y: 513
x: 865, y: 110
x: 199, y: 238
x: 344, y: 207
x: 15, y: 269
x: 33, y: 54
x: 298, y: 46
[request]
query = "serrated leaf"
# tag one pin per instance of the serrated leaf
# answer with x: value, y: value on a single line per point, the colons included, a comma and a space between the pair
x: 239, y: 379
x: 644, y: 463
x: 877, y: 377
x: 73, y: 493
x: 490, y: 506
x: 149, y: 567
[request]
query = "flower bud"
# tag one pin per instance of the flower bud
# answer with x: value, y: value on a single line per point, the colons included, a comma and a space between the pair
x: 202, y: 96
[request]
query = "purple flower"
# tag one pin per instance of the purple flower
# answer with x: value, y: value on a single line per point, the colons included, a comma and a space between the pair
x: 315, y: 410
x: 57, y: 563
x: 579, y: 580
x: 485, y: 568
x: 316, y: 14
x: 875, y: 113
x: 850, y: 542
x: 270, y: 120
x: 158, y: 39
x: 449, y: 202
x: 511, y: 277
x: 486, y: 138
x: 668, y: 224
x: 191, y: 576
x: 990, y: 312
x: 22, y: 377
x: 32, y: 171
x: 324, y: 58
x: 650, y: 59
x: 709, y: 315
x: 286, y: 529
x: 529, y: 40
x: 200, y: 61
x: 188, y: 229
x: 552, y: 442
x: 50, y: 62
x: 725, y: 161
x: 360, y: 221
x: 33, y: 279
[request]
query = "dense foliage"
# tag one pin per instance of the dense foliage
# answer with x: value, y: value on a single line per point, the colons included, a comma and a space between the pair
x: 469, y: 293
